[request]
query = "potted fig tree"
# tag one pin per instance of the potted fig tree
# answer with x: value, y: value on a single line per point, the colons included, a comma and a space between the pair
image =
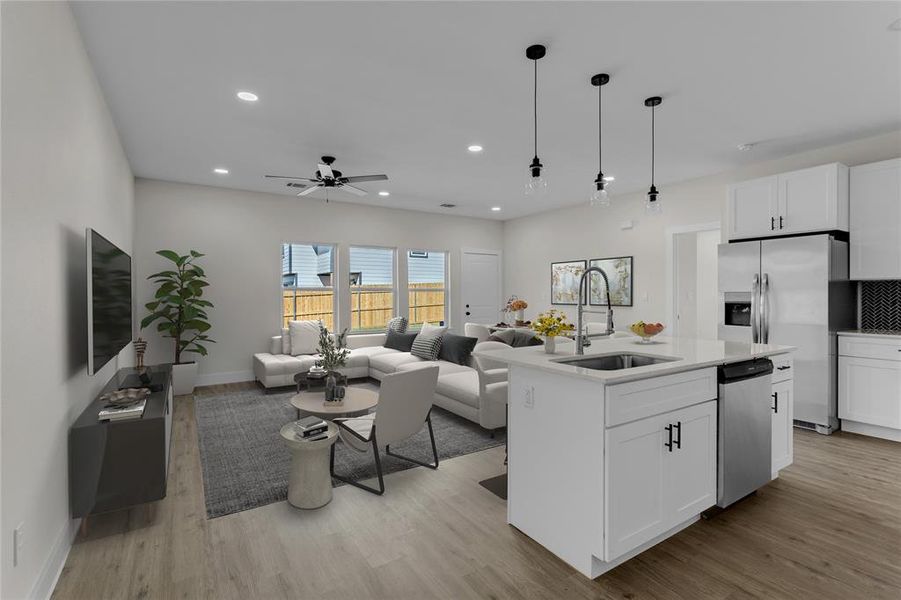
x: 180, y: 308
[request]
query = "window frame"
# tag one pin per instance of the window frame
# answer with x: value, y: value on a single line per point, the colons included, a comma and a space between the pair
x: 393, y: 289
x: 335, y: 262
x: 445, y: 288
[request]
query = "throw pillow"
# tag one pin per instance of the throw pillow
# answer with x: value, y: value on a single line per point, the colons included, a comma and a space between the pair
x: 427, y: 345
x: 286, y: 341
x: 304, y: 337
x: 397, y: 324
x: 457, y: 348
x: 400, y: 341
x: 524, y: 338
x: 428, y: 327
x: 503, y: 335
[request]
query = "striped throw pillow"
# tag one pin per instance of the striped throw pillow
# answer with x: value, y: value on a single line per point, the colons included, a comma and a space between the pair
x: 427, y: 345
x: 397, y: 325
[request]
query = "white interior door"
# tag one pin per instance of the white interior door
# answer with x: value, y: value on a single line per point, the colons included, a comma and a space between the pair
x: 481, y: 287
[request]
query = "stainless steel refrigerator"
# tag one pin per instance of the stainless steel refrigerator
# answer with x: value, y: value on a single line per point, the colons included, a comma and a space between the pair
x: 793, y: 291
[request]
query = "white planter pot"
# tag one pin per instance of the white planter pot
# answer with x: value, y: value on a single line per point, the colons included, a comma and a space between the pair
x: 550, y: 344
x: 183, y: 378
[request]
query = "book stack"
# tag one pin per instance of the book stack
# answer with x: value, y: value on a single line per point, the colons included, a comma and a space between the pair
x: 310, y: 429
x: 114, y: 412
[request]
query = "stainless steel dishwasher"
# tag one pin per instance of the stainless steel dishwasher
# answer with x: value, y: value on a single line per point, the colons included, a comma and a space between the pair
x: 744, y: 445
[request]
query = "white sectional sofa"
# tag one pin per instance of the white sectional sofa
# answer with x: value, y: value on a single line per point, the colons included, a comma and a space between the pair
x: 475, y: 391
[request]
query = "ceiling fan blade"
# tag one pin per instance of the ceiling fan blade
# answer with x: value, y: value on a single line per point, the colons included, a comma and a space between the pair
x: 288, y: 177
x: 362, y: 178
x: 326, y: 172
x: 352, y: 189
x: 308, y: 191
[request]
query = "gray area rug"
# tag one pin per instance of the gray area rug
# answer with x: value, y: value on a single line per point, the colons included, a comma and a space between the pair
x: 245, y: 464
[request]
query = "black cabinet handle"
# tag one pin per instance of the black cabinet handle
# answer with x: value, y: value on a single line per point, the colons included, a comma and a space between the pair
x: 678, y: 440
x: 669, y: 444
x: 780, y: 222
x: 775, y: 396
x: 772, y: 223
x: 787, y: 367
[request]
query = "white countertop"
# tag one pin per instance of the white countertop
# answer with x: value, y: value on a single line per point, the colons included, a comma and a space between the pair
x: 691, y: 354
x: 884, y: 333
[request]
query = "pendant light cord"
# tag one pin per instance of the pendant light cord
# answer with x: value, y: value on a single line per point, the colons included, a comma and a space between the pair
x: 653, y: 108
x: 599, y: 130
x: 535, y: 105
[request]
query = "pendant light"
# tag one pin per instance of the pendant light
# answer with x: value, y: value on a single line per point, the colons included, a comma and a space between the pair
x: 536, y: 183
x: 652, y: 204
x: 599, y: 195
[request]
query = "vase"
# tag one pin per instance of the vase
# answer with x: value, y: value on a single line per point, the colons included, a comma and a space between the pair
x: 330, y: 385
x: 184, y: 377
x: 520, y: 316
x: 550, y: 344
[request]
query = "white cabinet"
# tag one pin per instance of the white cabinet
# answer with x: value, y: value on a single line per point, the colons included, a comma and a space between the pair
x: 660, y: 471
x: 876, y: 220
x: 808, y: 200
x: 783, y: 422
x: 869, y: 386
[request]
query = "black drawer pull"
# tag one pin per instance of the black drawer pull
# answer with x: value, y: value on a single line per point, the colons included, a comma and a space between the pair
x: 772, y: 223
x: 678, y: 440
x: 776, y: 405
x: 780, y: 222
x: 669, y: 444
x: 787, y: 367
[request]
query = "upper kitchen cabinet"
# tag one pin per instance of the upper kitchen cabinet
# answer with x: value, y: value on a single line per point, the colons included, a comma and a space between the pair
x: 876, y: 220
x: 809, y: 200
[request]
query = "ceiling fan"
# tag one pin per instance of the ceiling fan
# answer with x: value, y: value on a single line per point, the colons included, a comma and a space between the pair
x: 327, y: 177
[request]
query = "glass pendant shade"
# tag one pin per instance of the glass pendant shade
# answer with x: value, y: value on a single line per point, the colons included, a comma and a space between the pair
x: 652, y: 204
x: 599, y: 197
x: 536, y: 185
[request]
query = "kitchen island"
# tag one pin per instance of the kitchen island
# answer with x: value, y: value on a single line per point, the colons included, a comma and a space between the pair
x: 614, y: 454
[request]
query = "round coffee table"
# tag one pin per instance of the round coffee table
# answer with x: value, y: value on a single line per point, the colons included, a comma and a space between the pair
x: 357, y: 401
x: 310, y: 481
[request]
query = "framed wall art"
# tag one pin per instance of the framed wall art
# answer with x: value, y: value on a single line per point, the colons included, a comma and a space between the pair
x: 619, y: 274
x: 565, y: 281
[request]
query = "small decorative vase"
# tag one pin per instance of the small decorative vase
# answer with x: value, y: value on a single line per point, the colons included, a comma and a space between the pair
x: 550, y: 344
x: 520, y: 316
x: 330, y: 385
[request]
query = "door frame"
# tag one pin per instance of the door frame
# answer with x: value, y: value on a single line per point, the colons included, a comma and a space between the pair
x: 671, y: 257
x: 500, y: 279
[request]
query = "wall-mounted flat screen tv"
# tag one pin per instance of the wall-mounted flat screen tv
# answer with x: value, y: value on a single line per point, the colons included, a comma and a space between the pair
x: 109, y: 300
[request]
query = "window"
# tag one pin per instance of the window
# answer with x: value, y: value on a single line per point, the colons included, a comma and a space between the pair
x: 371, y: 288
x: 427, y: 280
x: 307, y: 288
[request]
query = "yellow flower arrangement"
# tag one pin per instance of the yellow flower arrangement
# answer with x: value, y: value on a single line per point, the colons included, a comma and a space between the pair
x: 551, y: 323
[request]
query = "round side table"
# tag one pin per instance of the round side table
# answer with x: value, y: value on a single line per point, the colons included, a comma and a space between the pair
x: 357, y: 401
x: 309, y: 482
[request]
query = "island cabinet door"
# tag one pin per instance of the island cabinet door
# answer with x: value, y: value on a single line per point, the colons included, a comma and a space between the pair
x: 635, y: 463
x: 690, y: 485
x: 783, y: 421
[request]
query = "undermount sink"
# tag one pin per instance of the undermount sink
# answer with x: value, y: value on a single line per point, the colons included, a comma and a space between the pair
x: 614, y: 362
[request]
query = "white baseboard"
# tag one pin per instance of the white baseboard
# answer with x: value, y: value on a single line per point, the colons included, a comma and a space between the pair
x: 226, y: 377
x: 53, y: 566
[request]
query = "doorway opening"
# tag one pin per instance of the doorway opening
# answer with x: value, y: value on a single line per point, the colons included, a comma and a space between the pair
x: 692, y: 280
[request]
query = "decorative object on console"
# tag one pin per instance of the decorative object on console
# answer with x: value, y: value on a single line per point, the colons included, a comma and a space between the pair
x: 536, y: 183
x: 619, y: 270
x: 550, y: 324
x: 125, y: 397
x: 332, y: 356
x: 140, y: 346
x: 880, y: 305
x: 565, y: 281
x: 652, y: 205
x: 181, y: 310
x: 599, y: 195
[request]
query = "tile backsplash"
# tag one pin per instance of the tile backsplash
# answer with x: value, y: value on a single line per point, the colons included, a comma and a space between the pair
x: 880, y: 305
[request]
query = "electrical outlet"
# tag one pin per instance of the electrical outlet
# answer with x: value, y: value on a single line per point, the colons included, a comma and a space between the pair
x: 18, y: 543
x: 529, y: 399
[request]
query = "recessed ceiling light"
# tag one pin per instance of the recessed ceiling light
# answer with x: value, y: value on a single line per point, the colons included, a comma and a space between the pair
x: 247, y: 96
x: 896, y: 25
x: 475, y: 148
x: 384, y: 193
x: 496, y: 208
x: 745, y: 147
x: 609, y: 178
x: 220, y: 171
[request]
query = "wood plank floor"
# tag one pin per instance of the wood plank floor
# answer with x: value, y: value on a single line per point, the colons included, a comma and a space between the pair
x: 829, y: 527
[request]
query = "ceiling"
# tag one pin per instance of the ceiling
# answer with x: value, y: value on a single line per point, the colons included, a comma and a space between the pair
x: 403, y: 88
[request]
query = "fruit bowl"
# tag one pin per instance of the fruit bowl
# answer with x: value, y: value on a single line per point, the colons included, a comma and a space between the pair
x: 646, y: 331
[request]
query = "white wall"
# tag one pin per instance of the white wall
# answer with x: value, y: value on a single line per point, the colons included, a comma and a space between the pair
x: 531, y: 243
x: 241, y: 233
x: 706, y: 279
x: 63, y: 171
